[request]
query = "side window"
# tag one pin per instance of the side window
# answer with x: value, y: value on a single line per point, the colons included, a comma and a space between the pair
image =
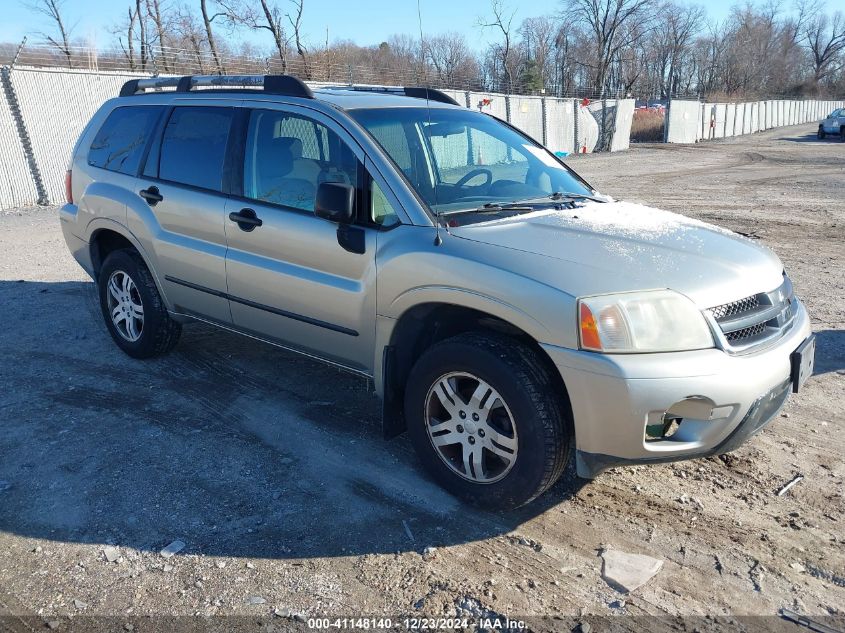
x: 403, y: 143
x: 381, y: 210
x: 121, y: 140
x: 194, y: 145
x: 287, y: 156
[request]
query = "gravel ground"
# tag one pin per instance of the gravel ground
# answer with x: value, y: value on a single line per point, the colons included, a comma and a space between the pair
x: 271, y: 469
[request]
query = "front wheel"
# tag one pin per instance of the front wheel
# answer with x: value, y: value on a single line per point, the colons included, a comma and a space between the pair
x: 486, y: 421
x: 820, y: 134
x: 842, y: 134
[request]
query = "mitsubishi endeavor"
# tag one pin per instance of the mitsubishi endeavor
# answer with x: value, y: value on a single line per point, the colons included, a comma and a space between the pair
x: 506, y: 312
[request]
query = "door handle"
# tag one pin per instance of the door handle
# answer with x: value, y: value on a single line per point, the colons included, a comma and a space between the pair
x: 151, y: 195
x: 246, y: 219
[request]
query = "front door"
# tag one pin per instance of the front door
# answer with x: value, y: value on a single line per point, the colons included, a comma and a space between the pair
x: 290, y: 279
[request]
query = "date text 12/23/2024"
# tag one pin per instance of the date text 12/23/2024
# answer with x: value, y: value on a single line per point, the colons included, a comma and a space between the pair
x: 418, y: 624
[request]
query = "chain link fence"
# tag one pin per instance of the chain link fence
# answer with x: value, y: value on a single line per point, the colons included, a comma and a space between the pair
x: 44, y: 110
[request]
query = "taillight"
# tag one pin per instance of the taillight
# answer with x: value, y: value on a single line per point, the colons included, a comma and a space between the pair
x: 68, y: 188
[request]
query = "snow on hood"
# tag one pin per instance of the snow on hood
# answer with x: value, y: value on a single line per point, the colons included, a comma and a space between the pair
x: 630, y: 246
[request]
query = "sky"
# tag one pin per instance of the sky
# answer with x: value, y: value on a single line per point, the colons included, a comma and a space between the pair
x: 363, y: 21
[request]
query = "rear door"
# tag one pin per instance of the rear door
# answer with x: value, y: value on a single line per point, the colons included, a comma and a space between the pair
x: 299, y: 279
x: 182, y: 184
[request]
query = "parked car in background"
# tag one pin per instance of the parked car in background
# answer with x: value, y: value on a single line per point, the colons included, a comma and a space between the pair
x: 833, y: 124
x: 504, y: 310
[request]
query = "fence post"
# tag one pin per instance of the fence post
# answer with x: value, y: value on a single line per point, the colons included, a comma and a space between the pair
x: 508, y: 108
x: 543, y: 114
x: 23, y: 134
x: 666, y: 119
x: 603, y: 132
x: 468, y: 99
x: 576, y: 149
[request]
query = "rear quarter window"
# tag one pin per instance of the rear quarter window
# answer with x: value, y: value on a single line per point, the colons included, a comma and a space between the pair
x: 120, y: 141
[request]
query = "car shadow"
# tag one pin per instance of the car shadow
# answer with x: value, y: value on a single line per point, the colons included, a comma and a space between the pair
x: 232, y: 446
x: 830, y: 352
x: 811, y: 138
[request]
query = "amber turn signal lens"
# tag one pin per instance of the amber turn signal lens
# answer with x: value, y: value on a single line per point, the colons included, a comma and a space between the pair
x: 589, y: 329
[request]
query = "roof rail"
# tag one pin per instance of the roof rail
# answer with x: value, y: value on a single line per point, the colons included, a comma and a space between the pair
x: 271, y: 84
x: 418, y: 92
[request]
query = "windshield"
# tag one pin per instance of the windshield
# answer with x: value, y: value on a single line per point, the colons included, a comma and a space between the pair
x: 460, y: 159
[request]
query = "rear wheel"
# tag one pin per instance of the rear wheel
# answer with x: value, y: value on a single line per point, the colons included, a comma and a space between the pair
x: 486, y: 421
x: 820, y: 134
x: 132, y: 308
x: 842, y: 134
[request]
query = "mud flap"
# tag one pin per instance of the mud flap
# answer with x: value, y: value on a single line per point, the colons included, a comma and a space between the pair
x: 392, y: 405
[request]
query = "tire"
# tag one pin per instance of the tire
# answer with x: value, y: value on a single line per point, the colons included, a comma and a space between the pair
x: 842, y: 134
x: 539, y: 426
x: 157, y: 333
x: 820, y: 134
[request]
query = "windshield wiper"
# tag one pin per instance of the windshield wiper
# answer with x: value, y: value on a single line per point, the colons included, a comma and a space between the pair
x: 559, y: 196
x: 490, y: 207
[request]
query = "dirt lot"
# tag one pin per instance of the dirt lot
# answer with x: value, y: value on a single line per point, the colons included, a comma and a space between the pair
x: 272, y: 471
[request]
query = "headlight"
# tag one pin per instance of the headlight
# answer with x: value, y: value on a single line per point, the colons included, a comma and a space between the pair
x: 651, y: 321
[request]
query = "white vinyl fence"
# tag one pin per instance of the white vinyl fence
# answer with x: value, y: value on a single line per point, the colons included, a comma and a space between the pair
x: 693, y: 121
x: 43, y: 112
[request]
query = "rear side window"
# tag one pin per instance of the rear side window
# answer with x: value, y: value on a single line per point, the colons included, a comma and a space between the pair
x: 120, y: 143
x: 194, y: 146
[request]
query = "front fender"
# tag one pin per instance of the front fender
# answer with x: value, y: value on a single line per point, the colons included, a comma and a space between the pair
x: 476, y: 300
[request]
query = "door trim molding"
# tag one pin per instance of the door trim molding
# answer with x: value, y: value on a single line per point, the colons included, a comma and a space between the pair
x: 260, y: 306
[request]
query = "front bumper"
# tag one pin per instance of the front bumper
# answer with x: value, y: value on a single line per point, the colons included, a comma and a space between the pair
x: 722, y: 399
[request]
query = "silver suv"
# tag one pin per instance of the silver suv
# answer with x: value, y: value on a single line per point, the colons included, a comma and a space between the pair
x: 505, y: 311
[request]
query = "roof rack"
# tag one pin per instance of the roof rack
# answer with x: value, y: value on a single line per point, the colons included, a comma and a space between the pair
x: 271, y: 84
x: 418, y: 92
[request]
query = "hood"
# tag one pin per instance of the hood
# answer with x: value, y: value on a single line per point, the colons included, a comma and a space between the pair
x: 620, y: 246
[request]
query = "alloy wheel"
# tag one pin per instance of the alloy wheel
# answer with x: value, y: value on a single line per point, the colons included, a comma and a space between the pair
x: 471, y: 427
x: 125, y: 306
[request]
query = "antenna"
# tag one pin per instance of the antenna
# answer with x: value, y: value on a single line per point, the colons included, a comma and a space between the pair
x: 437, y: 240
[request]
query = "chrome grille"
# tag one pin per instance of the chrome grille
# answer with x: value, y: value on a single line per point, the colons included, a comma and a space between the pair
x: 744, y: 333
x: 751, y: 322
x: 737, y: 307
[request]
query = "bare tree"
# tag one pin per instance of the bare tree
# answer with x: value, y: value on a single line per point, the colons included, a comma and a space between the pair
x: 268, y: 17
x: 606, y: 20
x: 161, y: 26
x: 451, y: 58
x: 502, y: 21
x: 825, y: 39
x: 539, y: 36
x: 209, y: 33
x: 127, y: 29
x: 273, y: 23
x: 188, y: 34
x: 672, y: 39
x: 142, y: 33
x: 53, y: 10
x: 296, y: 24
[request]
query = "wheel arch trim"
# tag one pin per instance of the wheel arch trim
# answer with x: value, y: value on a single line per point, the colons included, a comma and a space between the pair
x: 397, y: 338
x: 100, y: 225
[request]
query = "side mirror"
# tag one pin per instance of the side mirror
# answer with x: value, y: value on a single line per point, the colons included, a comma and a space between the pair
x: 335, y: 202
